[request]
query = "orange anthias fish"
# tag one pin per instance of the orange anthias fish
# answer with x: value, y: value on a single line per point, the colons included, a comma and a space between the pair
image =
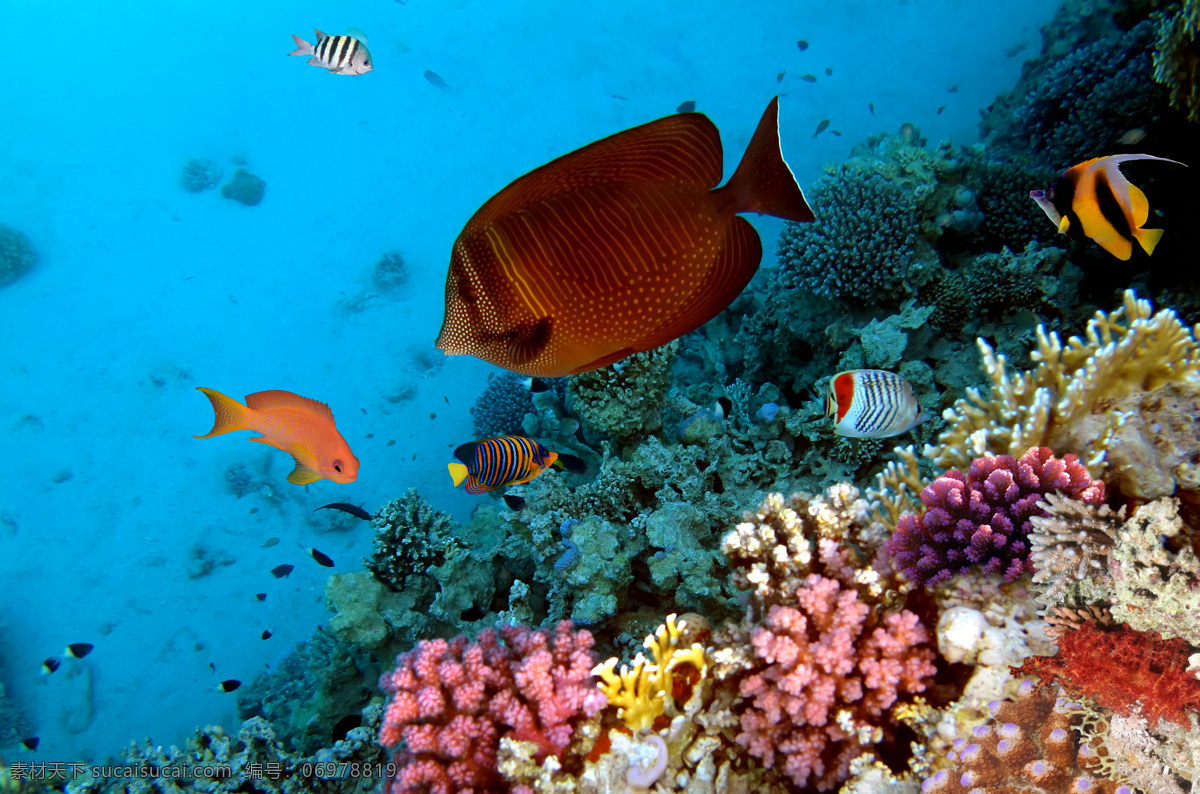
x: 301, y: 427
x: 615, y: 248
x: 1096, y: 199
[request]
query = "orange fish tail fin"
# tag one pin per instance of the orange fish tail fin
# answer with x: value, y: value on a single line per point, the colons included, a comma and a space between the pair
x: 763, y: 182
x: 1148, y: 238
x: 230, y: 414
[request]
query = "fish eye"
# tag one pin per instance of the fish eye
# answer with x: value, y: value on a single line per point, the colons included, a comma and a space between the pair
x: 337, y: 466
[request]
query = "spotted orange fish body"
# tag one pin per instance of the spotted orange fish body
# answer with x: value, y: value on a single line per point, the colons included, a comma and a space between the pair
x: 301, y: 427
x: 616, y: 248
x: 499, y: 462
x: 872, y: 403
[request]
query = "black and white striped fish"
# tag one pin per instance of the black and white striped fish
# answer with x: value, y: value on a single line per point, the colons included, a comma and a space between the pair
x: 339, y: 54
x: 872, y: 403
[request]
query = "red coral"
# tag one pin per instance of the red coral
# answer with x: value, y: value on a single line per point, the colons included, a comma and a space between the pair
x: 453, y: 701
x: 1119, y: 667
x: 819, y: 661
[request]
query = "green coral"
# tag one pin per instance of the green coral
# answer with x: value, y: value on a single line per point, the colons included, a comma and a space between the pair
x: 624, y: 400
x: 17, y: 256
x: 1177, y: 58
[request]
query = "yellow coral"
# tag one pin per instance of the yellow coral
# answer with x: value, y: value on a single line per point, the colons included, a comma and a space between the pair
x: 1126, y: 351
x: 644, y: 692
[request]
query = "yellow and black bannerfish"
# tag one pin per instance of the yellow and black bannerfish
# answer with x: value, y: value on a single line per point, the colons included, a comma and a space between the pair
x: 1095, y: 198
x: 505, y: 460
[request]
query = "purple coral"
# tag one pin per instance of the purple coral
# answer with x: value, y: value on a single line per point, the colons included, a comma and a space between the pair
x: 982, y: 520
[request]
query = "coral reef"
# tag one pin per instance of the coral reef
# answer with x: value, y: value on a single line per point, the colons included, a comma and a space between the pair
x: 452, y: 702
x: 623, y: 401
x: 390, y: 273
x: 501, y: 408
x: 982, y: 520
x: 199, y: 174
x: 410, y: 538
x: 1154, y: 672
x: 1071, y: 545
x: 17, y: 255
x: 245, y: 188
x: 1177, y: 58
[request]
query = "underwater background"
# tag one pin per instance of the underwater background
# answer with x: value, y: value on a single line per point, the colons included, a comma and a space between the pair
x: 131, y: 273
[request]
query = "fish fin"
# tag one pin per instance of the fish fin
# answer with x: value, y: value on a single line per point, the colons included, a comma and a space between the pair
x: 464, y: 452
x: 763, y: 182
x: 302, y: 475
x: 570, y: 463
x: 514, y: 502
x: 526, y: 343
x: 1148, y: 238
x: 229, y: 414
x: 355, y: 33
x: 474, y: 487
x: 302, y: 46
x: 732, y: 270
x: 321, y: 36
x: 1064, y: 224
x: 266, y: 400
x: 604, y: 360
x: 684, y: 147
x: 458, y: 473
x: 313, y: 60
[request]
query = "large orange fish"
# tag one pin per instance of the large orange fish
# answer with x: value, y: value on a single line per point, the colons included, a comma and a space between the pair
x: 615, y: 248
x: 301, y: 427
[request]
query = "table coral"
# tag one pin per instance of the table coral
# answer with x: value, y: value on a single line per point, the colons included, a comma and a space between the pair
x: 982, y: 520
x: 452, y: 702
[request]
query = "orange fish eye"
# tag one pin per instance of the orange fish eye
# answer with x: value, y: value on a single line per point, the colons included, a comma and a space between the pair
x: 337, y: 466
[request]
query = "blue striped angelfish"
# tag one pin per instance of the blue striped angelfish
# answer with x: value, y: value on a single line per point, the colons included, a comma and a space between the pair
x: 872, y: 403
x: 505, y: 460
x: 339, y: 54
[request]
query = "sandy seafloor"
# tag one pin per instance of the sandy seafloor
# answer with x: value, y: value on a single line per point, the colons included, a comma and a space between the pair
x: 145, y: 291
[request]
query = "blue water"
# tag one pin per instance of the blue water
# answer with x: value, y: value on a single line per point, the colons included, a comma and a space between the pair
x: 145, y: 291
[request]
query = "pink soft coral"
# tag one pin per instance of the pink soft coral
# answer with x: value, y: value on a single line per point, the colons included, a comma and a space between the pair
x: 451, y: 703
x: 819, y: 660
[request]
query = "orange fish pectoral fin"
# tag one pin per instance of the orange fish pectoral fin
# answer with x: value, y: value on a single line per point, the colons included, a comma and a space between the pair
x: 527, y: 342
x: 306, y: 464
x: 229, y: 414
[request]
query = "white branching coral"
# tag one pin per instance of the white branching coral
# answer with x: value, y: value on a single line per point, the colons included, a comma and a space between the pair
x: 1070, y: 546
x: 1129, y: 350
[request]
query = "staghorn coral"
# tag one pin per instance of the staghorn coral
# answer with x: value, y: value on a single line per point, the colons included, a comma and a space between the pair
x: 1030, y: 745
x: 1177, y: 58
x: 1070, y: 546
x: 982, y: 520
x: 452, y: 702
x: 410, y: 538
x: 624, y: 400
x: 501, y: 408
x: 1127, y: 351
x: 1154, y: 672
x: 17, y: 255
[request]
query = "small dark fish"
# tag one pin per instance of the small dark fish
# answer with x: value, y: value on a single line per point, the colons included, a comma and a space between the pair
x: 953, y: 89
x: 228, y: 685
x: 824, y: 125
x: 345, y: 725
x: 686, y: 106
x: 836, y: 132
x: 802, y: 44
x: 829, y: 71
x: 537, y: 385
x: 270, y: 542
x: 871, y: 107
x: 261, y: 596
x: 943, y: 107
x: 515, y: 503
x: 321, y: 558
x: 779, y: 77
x: 78, y: 650
x: 266, y: 635
x: 345, y: 507
x: 808, y: 78
x: 31, y: 743
x: 364, y: 410
x: 436, y: 81
x: 722, y: 407
x: 447, y: 399
x: 618, y: 96
x: 212, y: 667
x: 50, y: 665
x: 282, y: 571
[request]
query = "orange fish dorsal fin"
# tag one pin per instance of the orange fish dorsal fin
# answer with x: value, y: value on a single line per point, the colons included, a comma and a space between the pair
x: 763, y: 182
x: 680, y: 149
x: 735, y: 265
x: 266, y: 400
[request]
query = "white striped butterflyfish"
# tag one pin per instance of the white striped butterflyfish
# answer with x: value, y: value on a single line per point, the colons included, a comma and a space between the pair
x: 505, y: 460
x: 618, y: 247
x: 339, y: 54
x: 872, y: 403
x: 1096, y: 199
